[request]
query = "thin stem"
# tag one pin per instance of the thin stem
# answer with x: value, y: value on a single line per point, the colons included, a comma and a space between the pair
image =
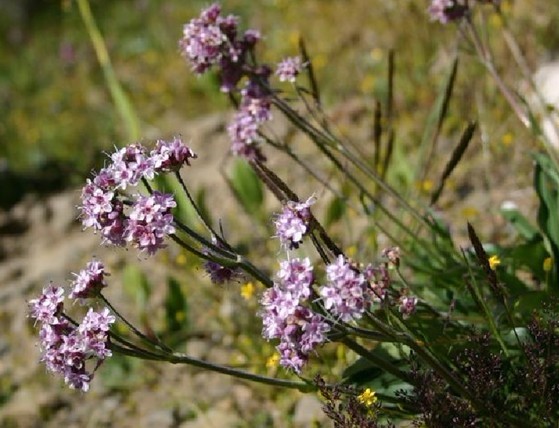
x: 178, y: 358
x: 134, y: 330
x: 486, y: 60
x: 239, y: 261
x: 213, y: 233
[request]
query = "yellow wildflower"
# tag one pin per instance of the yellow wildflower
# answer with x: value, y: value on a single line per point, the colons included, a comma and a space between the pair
x: 494, y: 261
x: 368, y: 397
x: 247, y: 290
x: 548, y: 264
x: 272, y: 361
x: 507, y: 139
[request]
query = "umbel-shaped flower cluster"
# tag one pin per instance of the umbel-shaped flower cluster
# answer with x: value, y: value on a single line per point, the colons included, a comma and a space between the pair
x: 148, y: 219
x: 301, y: 316
x: 65, y: 346
x: 212, y: 40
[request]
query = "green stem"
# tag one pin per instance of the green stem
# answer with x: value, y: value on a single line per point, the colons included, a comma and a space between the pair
x: 120, y: 99
x: 137, y: 332
x: 379, y: 362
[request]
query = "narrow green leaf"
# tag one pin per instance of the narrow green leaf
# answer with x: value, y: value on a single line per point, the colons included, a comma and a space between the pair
x: 335, y: 211
x: 247, y: 186
x: 136, y: 285
x: 455, y: 158
x: 176, y: 307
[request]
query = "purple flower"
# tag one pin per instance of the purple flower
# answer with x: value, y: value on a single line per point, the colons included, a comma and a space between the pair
x: 346, y: 294
x: 45, y: 309
x: 150, y: 221
x: 293, y: 223
x: 89, y: 281
x: 296, y: 276
x: 209, y: 38
x: 407, y: 305
x: 446, y: 11
x: 255, y: 109
x: 285, y: 317
x: 65, y: 349
x: 130, y: 164
x: 171, y: 155
x: 288, y: 69
x: 379, y: 281
x: 243, y: 132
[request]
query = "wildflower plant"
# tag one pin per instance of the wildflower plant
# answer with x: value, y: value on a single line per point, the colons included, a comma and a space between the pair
x: 441, y: 335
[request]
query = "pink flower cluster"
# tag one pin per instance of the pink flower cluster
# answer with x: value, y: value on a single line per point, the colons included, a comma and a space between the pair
x: 211, y: 39
x: 89, y: 281
x: 293, y: 223
x: 254, y: 111
x: 347, y: 294
x: 66, y: 348
x: 286, y: 314
x: 103, y: 201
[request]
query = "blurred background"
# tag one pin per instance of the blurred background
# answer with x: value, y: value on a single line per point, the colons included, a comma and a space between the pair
x: 58, y: 119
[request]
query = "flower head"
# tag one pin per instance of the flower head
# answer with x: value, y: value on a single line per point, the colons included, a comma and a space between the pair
x: 286, y: 317
x: 368, y: 397
x: 293, y: 223
x: 171, y: 155
x: 89, y: 281
x: 150, y: 221
x: 446, y: 11
x: 407, y: 305
x: 45, y: 308
x: 288, y: 69
x: 66, y: 348
x: 346, y: 294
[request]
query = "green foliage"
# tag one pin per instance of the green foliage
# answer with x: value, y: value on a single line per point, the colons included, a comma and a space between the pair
x: 546, y: 183
x: 247, y: 188
x: 136, y: 285
x: 176, y: 309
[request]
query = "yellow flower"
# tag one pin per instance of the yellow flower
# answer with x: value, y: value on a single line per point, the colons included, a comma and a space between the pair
x: 272, y: 361
x: 548, y: 264
x: 247, y: 290
x: 494, y: 261
x: 507, y: 139
x: 368, y: 397
x: 181, y: 259
x: 426, y: 185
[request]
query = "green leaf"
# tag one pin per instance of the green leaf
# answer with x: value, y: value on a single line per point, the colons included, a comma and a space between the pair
x: 246, y: 186
x: 335, y: 211
x: 136, y: 285
x: 203, y: 206
x: 176, y: 307
x: 546, y: 182
x: 435, y: 121
x: 520, y: 223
